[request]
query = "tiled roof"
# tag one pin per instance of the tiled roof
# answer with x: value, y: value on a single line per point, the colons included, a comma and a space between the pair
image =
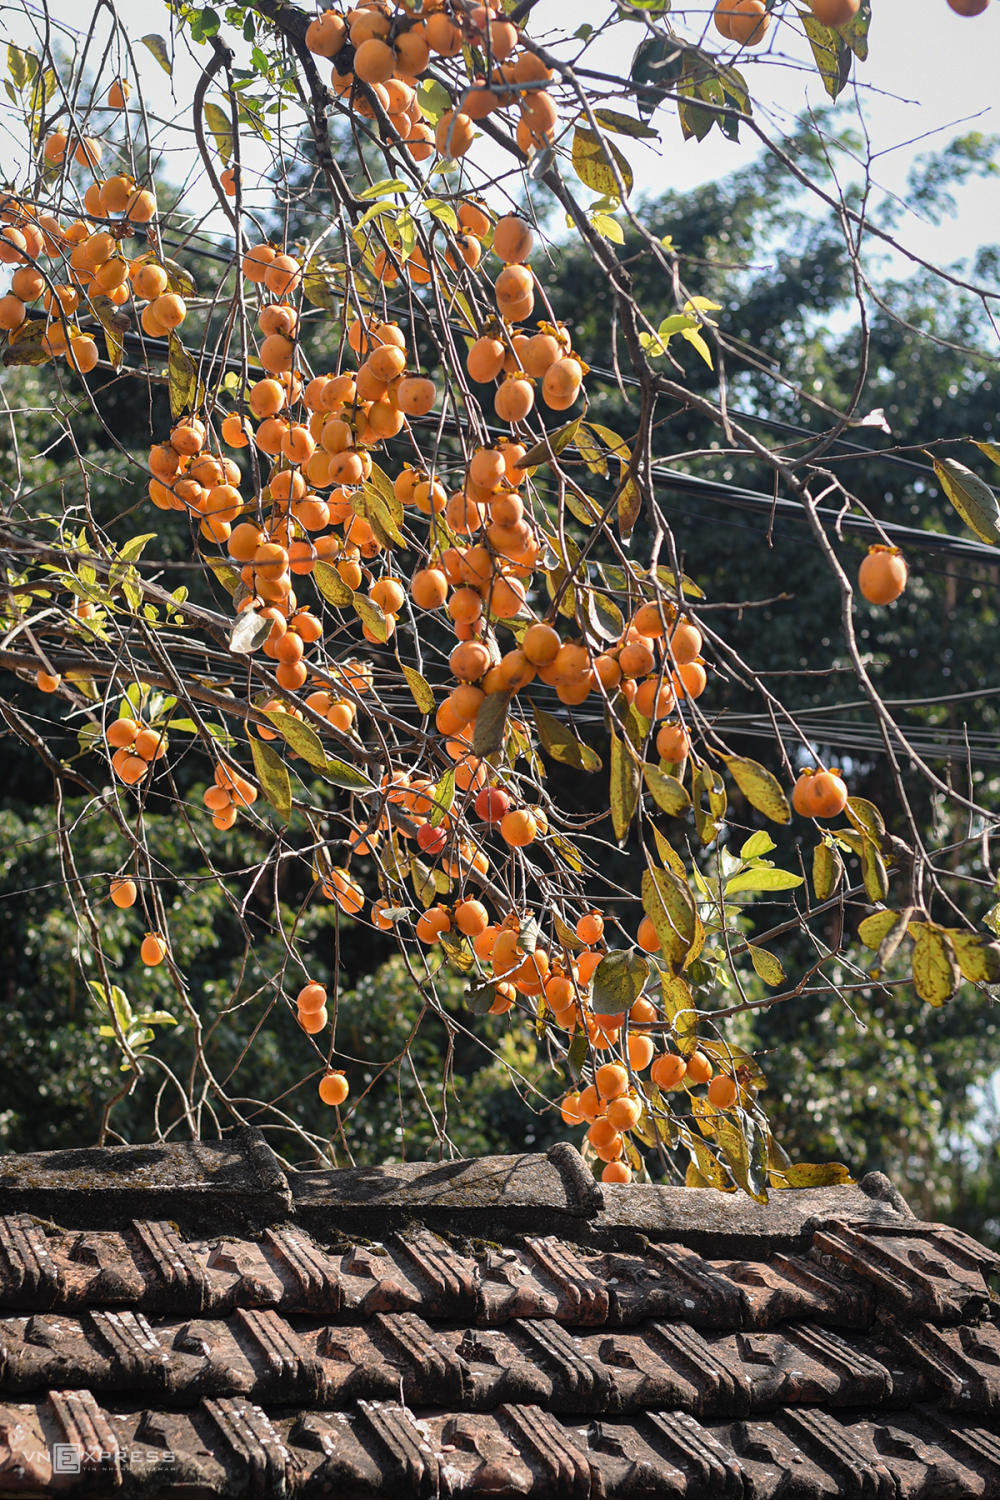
x: 184, y: 1322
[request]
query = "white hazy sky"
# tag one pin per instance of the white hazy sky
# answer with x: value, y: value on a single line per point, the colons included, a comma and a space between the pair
x: 931, y: 75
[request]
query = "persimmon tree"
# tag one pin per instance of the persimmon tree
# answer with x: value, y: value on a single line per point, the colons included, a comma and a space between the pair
x: 419, y: 572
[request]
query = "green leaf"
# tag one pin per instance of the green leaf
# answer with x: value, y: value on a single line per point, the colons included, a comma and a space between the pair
x: 761, y: 789
x: 624, y: 788
x: 273, y: 777
x: 348, y: 777
x: 762, y: 878
x: 300, y: 736
x: 133, y: 549
x: 766, y: 965
x: 432, y: 99
x: 480, y: 997
x: 971, y: 497
x: 443, y: 212
x: 221, y: 126
x: 491, y: 721
x: 658, y: 62
x: 158, y: 47
x: 443, y: 797
x: 827, y: 870
x: 813, y: 1175
x: 333, y: 588
x: 591, y: 158
x: 757, y: 845
x: 618, y: 981
x: 387, y: 185
x: 978, y: 958
x: 423, y: 695
x: 182, y: 377
x: 552, y: 445
x: 936, y: 973
x: 667, y: 791
x: 873, y: 871
x: 625, y: 124
x: 577, y: 1054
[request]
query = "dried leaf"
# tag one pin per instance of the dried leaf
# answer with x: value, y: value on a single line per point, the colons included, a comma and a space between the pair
x: 873, y: 871
x: 300, y: 736
x: 182, y: 377
x: 491, y: 721
x: 761, y: 789
x: 624, y: 788
x: 971, y: 497
x: 550, y: 446
x: 866, y: 818
x: 667, y: 791
x: 668, y: 902
x: 443, y: 797
x: 812, y: 1175
x: 158, y: 47
x: 335, y: 591
x: 874, y: 928
x: 370, y: 614
x: 978, y: 957
x: 827, y: 871
x: 618, y: 981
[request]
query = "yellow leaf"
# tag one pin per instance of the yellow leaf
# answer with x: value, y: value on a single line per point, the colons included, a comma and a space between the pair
x: 423, y: 695
x: 591, y: 163
x: 182, y: 377
x: 766, y: 965
x: 221, y: 127
x: 936, y: 974
x: 273, y: 777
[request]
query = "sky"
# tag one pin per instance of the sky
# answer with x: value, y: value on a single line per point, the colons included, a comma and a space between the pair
x: 930, y: 75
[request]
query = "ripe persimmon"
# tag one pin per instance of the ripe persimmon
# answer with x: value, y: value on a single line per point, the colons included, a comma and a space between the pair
x: 723, y: 1091
x: 333, y: 1088
x: 882, y: 575
x: 153, y: 950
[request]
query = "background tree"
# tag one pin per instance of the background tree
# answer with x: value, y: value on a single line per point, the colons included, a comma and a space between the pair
x: 655, y: 300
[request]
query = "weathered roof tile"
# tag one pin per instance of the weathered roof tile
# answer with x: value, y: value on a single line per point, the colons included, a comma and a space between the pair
x: 500, y: 1327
